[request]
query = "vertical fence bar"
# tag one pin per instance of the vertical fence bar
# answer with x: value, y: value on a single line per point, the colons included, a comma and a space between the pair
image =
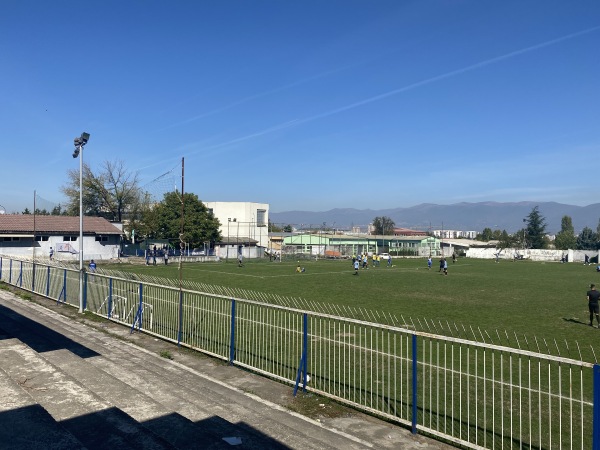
x: 33, y: 277
x: 596, y: 413
x: 232, y: 334
x: 21, y: 274
x: 180, y: 318
x: 110, y: 294
x: 85, y: 290
x: 10, y: 272
x: 414, y: 384
x: 1, y: 260
x: 48, y: 282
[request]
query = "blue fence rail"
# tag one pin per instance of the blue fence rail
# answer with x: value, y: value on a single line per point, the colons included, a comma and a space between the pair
x: 464, y: 392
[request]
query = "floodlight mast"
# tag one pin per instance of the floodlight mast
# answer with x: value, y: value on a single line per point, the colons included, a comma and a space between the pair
x: 79, y: 143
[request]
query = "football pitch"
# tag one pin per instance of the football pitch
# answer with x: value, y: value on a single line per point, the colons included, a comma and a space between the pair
x: 540, y: 306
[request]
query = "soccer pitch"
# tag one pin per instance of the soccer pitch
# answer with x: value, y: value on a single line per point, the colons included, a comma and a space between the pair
x: 540, y: 306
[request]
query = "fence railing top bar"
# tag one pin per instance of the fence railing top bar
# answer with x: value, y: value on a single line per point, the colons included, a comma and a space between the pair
x: 501, y: 348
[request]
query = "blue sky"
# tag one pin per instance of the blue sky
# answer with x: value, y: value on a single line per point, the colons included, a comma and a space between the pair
x: 306, y: 105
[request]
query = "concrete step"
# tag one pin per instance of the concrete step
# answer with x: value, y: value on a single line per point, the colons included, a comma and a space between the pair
x: 20, y: 415
x: 95, y: 423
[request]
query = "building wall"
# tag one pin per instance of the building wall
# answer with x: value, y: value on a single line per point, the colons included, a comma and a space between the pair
x: 242, y: 219
x: 92, y: 249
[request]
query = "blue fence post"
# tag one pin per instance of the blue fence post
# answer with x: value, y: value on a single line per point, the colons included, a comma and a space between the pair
x: 33, y: 277
x: 21, y: 274
x: 302, y: 369
x: 414, y: 384
x: 110, y: 289
x: 48, y: 283
x: 596, y: 410
x: 138, y: 316
x: 232, y: 334
x: 0, y: 267
x: 10, y: 272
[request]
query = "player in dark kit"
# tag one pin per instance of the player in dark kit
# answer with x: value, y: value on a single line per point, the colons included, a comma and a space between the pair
x: 593, y: 296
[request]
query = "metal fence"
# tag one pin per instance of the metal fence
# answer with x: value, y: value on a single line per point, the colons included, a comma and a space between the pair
x: 469, y: 393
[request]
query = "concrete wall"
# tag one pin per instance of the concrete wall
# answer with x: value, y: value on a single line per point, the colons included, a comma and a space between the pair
x: 533, y: 254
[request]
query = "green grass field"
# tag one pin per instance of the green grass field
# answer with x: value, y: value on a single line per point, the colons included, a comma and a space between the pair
x: 524, y: 300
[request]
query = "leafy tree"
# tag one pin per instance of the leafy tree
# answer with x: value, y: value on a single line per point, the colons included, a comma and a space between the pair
x: 497, y: 234
x: 598, y: 235
x: 566, y: 239
x: 486, y: 235
x: 383, y: 225
x: 57, y: 211
x: 505, y: 240
x: 163, y: 220
x: 109, y: 193
x: 273, y: 228
x: 587, y: 239
x: 26, y: 211
x: 288, y: 228
x: 536, y: 229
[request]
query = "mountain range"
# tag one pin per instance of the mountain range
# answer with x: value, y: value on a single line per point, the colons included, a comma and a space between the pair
x: 459, y: 216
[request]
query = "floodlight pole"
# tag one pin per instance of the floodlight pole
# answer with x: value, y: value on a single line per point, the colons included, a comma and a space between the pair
x: 80, y: 228
x: 79, y: 143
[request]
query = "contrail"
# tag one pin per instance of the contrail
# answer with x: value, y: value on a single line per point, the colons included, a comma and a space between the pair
x: 296, y: 122
x: 265, y: 93
x: 444, y: 76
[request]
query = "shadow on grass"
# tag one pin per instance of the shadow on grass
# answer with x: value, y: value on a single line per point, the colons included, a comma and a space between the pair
x: 577, y: 321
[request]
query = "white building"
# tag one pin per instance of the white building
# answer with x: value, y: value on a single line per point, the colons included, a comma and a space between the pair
x: 454, y: 234
x: 244, y: 228
x: 29, y: 236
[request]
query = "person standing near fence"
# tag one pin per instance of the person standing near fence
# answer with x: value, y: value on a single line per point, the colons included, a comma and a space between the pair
x: 593, y: 296
x: 51, y: 253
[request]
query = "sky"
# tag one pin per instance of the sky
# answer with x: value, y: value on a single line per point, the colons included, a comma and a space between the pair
x: 305, y: 105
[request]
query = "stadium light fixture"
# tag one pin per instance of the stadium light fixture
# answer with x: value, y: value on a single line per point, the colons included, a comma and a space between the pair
x: 79, y: 143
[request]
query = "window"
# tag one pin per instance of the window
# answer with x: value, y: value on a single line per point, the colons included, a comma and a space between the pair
x: 41, y: 238
x: 260, y: 217
x: 101, y: 238
x: 69, y: 238
x: 11, y: 238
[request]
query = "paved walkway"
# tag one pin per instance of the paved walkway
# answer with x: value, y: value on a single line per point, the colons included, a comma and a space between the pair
x: 67, y: 383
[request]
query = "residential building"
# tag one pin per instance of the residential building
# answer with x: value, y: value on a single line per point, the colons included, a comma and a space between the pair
x: 32, y: 236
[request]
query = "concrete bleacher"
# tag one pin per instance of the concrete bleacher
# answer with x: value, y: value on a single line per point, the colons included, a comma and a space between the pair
x: 65, y: 384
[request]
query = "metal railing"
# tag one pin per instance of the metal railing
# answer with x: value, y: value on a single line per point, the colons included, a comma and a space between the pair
x: 469, y: 393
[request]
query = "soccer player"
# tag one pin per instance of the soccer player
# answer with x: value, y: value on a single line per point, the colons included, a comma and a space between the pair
x: 593, y: 296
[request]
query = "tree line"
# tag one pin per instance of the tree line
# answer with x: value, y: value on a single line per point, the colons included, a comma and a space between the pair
x: 533, y: 235
x: 114, y: 193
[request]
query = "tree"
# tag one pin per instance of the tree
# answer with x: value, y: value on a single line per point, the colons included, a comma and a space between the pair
x: 587, y: 239
x: 505, y: 240
x: 108, y: 194
x: 565, y: 238
x: 163, y: 220
x: 536, y: 229
x: 383, y: 225
x: 273, y: 228
x: 486, y: 235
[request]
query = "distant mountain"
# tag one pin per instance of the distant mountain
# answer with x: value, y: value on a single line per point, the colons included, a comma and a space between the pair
x: 458, y: 216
